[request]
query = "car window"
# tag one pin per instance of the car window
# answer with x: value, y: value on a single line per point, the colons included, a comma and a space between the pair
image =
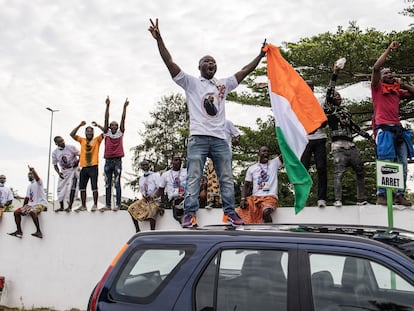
x: 246, y: 280
x: 146, y: 271
x: 387, y: 279
x: 347, y: 282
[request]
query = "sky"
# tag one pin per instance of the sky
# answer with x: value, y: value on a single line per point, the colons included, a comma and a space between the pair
x: 70, y: 55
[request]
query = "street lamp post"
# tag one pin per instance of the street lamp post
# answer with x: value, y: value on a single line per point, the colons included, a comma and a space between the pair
x: 50, y: 149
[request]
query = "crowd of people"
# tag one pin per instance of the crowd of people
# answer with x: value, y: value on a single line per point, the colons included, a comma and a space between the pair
x: 207, y: 181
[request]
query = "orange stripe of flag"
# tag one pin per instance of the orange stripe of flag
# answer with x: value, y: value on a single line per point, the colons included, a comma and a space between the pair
x: 286, y: 82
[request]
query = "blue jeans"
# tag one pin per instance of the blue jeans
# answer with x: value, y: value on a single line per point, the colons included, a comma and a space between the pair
x: 402, y: 153
x: 113, y: 168
x: 199, y: 148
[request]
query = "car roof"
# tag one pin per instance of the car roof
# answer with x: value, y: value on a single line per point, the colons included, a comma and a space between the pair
x: 391, y: 238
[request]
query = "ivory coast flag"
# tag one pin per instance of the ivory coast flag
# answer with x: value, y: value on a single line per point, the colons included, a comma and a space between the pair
x: 297, y: 113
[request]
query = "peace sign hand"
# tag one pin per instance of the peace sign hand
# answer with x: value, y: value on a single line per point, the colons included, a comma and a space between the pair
x: 154, y: 30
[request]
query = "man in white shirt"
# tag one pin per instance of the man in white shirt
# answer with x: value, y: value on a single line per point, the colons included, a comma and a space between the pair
x: 34, y: 203
x: 206, y: 97
x: 174, y: 181
x: 260, y: 192
x: 65, y: 159
x: 6, y: 196
x: 232, y: 134
x: 148, y: 207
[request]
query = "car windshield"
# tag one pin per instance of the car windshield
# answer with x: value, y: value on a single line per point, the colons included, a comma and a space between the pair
x: 147, y: 270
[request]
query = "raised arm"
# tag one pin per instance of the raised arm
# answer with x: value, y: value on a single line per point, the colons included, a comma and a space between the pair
x: 251, y: 66
x: 33, y: 171
x: 165, y: 55
x: 99, y: 126
x: 106, y: 122
x: 75, y: 130
x: 376, y: 70
x: 122, y: 124
x: 330, y: 92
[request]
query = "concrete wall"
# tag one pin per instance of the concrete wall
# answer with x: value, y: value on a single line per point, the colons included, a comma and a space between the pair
x: 60, y: 270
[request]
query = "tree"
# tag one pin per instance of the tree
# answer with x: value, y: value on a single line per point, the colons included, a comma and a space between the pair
x: 409, y: 11
x: 165, y: 135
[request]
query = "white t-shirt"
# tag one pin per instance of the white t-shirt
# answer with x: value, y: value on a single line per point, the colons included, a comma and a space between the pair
x: 36, y: 194
x: 205, y: 102
x: 174, y: 183
x: 320, y: 133
x: 5, y: 194
x: 231, y: 131
x: 263, y: 176
x: 149, y: 183
x: 66, y: 157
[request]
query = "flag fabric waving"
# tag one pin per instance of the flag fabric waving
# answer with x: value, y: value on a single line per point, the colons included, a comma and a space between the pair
x: 297, y: 113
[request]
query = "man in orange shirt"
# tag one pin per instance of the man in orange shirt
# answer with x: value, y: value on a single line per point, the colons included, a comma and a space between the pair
x: 88, y: 161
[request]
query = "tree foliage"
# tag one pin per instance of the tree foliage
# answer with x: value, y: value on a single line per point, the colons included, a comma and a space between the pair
x: 164, y: 135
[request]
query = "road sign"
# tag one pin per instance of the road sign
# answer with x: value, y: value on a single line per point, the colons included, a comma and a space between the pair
x: 390, y: 175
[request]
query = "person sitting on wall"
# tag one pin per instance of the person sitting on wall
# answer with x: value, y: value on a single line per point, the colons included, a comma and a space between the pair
x: 257, y: 205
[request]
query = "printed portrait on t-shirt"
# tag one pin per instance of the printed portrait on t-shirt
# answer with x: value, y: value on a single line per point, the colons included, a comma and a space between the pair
x: 262, y: 180
x: 210, y: 104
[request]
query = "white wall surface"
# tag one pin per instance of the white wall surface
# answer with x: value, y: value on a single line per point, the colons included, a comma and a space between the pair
x: 60, y: 270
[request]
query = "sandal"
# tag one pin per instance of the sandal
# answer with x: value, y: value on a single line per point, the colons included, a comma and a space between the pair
x: 38, y: 235
x: 16, y: 234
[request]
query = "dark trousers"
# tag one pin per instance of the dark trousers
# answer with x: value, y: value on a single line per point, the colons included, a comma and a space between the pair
x: 344, y: 158
x: 113, y: 169
x: 317, y: 148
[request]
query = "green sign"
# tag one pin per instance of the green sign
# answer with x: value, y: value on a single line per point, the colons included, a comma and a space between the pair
x: 390, y: 175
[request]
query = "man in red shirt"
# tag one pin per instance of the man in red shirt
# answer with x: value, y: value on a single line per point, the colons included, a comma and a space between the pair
x: 393, y: 141
x: 114, y: 151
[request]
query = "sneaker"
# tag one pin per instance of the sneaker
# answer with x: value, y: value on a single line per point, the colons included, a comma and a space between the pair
x: 321, y: 203
x: 381, y: 200
x: 116, y: 208
x: 401, y: 200
x: 189, y: 221
x: 360, y: 203
x: 338, y: 203
x: 233, y: 219
x: 94, y: 208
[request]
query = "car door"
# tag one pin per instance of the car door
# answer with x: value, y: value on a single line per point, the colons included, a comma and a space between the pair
x: 242, y: 276
x: 347, y: 278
